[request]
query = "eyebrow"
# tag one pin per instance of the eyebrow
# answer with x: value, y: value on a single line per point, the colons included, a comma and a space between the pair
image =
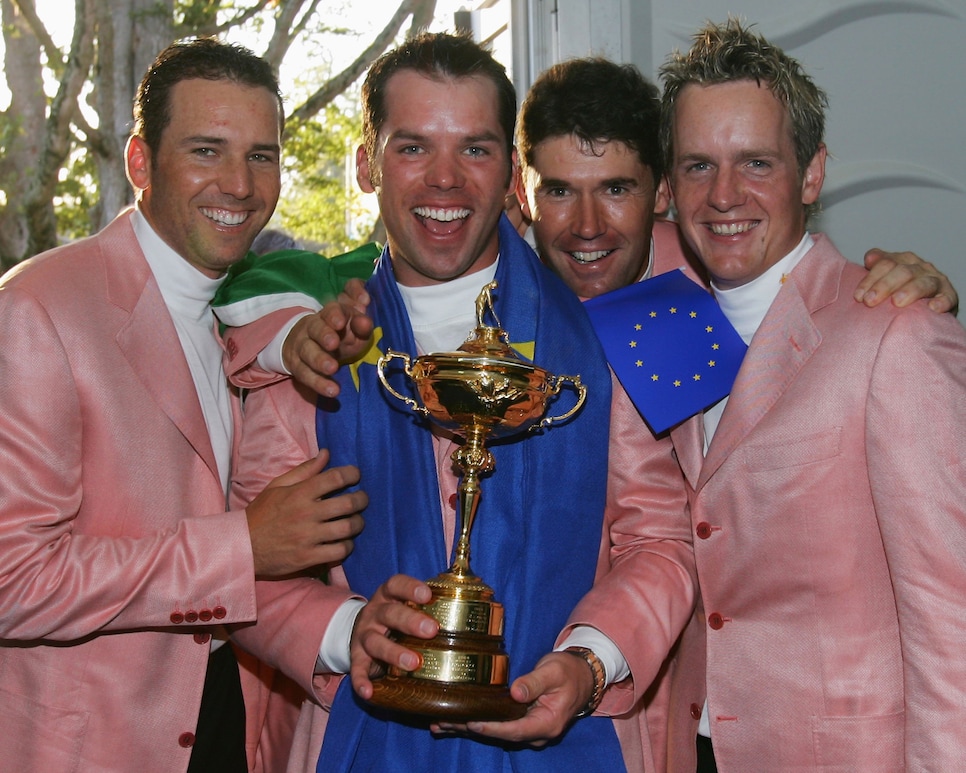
x: 626, y: 182
x: 610, y: 182
x: 406, y: 136
x: 201, y: 139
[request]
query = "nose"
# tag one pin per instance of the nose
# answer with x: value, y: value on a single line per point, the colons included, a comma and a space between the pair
x: 237, y: 178
x: 444, y: 172
x: 726, y: 190
x: 588, y: 222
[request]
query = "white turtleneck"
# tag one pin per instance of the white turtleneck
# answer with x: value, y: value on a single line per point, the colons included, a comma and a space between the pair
x: 187, y: 294
x: 444, y: 315
x: 745, y: 307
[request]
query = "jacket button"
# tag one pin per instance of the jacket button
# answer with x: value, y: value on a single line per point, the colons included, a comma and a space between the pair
x: 716, y: 621
x: 219, y: 612
x: 703, y: 530
x: 177, y: 618
x: 191, y: 616
x: 186, y: 740
x: 205, y: 615
x: 202, y: 638
x: 695, y: 711
x: 452, y: 501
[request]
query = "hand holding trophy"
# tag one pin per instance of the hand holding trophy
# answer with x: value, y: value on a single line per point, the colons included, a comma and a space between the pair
x: 483, y: 390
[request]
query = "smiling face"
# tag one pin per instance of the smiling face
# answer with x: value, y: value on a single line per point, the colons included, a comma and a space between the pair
x: 739, y: 192
x: 592, y: 210
x: 214, y: 181
x: 441, y: 174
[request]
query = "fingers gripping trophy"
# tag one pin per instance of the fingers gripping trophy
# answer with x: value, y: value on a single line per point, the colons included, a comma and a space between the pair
x: 481, y: 391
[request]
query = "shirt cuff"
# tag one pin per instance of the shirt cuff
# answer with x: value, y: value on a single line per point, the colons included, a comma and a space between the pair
x: 334, y: 651
x: 270, y: 358
x: 615, y: 666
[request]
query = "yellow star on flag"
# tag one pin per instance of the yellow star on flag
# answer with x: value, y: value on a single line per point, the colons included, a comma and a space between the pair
x: 524, y: 349
x: 371, y: 357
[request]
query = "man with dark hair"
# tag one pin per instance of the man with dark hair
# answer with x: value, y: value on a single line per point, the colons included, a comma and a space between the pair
x: 581, y: 531
x: 122, y: 569
x: 592, y: 176
x: 827, y: 492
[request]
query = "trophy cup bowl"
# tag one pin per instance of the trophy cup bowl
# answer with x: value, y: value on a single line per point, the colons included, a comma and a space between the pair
x: 481, y: 391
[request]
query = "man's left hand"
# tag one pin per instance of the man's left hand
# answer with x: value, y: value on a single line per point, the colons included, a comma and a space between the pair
x: 559, y: 686
x: 905, y: 277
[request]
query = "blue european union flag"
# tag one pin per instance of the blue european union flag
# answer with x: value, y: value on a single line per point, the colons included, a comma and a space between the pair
x: 670, y: 345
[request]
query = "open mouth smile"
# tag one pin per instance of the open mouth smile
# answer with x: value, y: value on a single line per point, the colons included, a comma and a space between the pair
x: 224, y: 217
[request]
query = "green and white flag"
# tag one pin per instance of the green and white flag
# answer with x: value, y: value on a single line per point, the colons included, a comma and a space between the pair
x: 261, y: 284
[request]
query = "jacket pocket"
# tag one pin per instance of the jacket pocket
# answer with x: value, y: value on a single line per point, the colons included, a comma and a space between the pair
x: 37, y: 737
x: 866, y: 743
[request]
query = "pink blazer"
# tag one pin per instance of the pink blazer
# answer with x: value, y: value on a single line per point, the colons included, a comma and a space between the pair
x: 118, y: 554
x: 830, y: 539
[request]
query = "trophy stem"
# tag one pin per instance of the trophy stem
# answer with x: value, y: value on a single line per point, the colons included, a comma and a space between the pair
x: 472, y: 459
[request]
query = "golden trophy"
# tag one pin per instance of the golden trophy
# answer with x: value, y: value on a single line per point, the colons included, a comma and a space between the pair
x: 483, y: 390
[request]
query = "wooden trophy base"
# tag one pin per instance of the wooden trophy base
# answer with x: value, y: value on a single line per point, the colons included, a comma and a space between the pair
x: 464, y: 668
x: 446, y: 702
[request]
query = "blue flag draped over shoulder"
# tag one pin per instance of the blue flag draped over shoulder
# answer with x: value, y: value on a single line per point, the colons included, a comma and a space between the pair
x: 535, y: 540
x: 670, y: 345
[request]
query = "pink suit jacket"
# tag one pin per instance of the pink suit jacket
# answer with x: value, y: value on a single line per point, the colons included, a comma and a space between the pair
x: 830, y: 539
x: 118, y: 555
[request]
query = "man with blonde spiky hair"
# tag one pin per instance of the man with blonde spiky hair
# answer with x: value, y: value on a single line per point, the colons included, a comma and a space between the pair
x: 827, y: 492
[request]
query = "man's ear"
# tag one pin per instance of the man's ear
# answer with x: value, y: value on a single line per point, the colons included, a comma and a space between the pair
x: 521, y: 193
x: 662, y: 196
x: 137, y: 162
x: 363, y: 173
x: 814, y: 176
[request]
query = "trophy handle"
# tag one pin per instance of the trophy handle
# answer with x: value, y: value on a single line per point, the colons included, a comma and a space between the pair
x: 554, y: 389
x: 383, y: 361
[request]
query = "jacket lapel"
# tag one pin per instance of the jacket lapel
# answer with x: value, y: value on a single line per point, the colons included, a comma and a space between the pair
x: 688, y: 439
x: 148, y: 339
x: 783, y: 344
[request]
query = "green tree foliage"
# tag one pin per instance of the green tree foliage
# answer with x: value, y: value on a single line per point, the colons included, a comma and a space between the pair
x: 321, y: 204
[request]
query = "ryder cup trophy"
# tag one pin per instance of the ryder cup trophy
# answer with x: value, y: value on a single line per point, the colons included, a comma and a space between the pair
x: 481, y: 391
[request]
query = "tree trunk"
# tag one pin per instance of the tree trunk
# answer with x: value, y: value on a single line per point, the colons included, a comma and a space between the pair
x: 130, y: 35
x: 23, y: 129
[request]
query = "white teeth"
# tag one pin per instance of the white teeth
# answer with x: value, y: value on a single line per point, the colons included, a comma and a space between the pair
x: 590, y: 257
x: 721, y: 229
x: 443, y: 215
x: 225, y: 217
